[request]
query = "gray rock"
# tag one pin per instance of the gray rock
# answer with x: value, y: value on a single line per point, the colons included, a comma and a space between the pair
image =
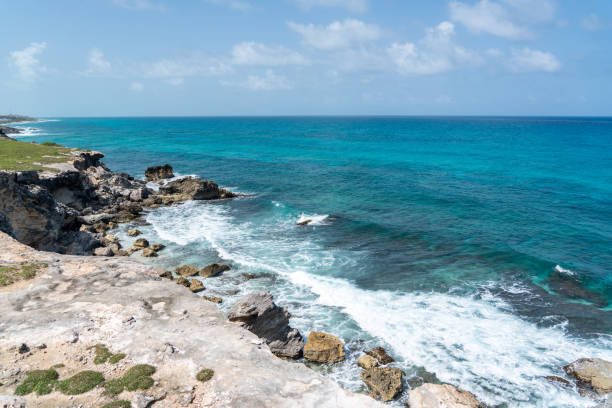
x: 258, y: 313
x: 8, y: 401
x: 103, y: 251
x: 213, y: 270
x: 157, y: 173
x: 190, y: 188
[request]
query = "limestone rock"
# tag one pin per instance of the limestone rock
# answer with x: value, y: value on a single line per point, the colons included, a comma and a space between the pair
x: 190, y: 188
x: 141, y: 243
x: 367, y: 361
x: 592, y: 373
x: 196, y: 286
x: 213, y: 299
x: 103, y: 251
x: 559, y: 380
x: 384, y: 382
x: 186, y: 270
x: 134, y: 232
x: 157, y: 247
x: 323, y: 348
x: 258, y: 313
x: 157, y: 173
x: 149, y: 253
x: 441, y: 395
x: 380, y: 355
x: 183, y: 282
x: 213, y: 270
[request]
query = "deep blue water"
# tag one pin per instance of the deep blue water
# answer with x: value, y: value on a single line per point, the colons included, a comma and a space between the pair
x: 478, y: 249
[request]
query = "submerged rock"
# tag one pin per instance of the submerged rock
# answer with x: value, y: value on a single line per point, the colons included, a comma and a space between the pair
x: 258, y: 313
x: 186, y: 270
x: 323, y: 348
x: 383, y: 382
x: 441, y: 395
x: 213, y: 270
x: 591, y: 373
x: 156, y: 173
x: 380, y: 355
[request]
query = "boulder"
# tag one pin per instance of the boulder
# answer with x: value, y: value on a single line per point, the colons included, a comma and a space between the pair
x: 190, y: 188
x: 103, y: 251
x: 213, y: 299
x: 196, y: 286
x: 380, y: 355
x: 366, y: 362
x: 157, y: 247
x: 213, y: 270
x: 441, y: 395
x: 186, y: 270
x: 149, y: 253
x: 134, y: 232
x: 258, y: 313
x: 591, y: 373
x: 110, y: 239
x: 323, y: 348
x: 383, y: 382
x: 156, y: 173
x: 141, y: 243
x: 183, y: 282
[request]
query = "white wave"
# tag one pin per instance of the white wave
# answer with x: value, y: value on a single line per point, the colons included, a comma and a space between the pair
x: 562, y: 270
x: 315, y: 219
x: 27, y: 131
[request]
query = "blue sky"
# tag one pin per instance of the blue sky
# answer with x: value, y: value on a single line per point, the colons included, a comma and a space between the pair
x: 285, y: 57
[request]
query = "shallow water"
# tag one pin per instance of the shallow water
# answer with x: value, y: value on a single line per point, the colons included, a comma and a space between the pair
x: 475, y: 249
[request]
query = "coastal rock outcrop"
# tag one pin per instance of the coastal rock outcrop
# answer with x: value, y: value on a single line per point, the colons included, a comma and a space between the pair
x: 591, y: 374
x: 157, y: 173
x: 367, y: 361
x: 441, y: 395
x: 258, y: 313
x: 380, y: 354
x: 323, y: 348
x: 186, y: 270
x: 213, y: 270
x: 190, y: 188
x: 384, y: 382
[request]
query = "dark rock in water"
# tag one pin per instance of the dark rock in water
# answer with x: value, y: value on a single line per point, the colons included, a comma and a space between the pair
x: 304, y: 222
x: 186, y: 270
x: 156, y: 173
x: 190, y: 188
x: 383, y: 382
x: 591, y: 374
x: 157, y: 247
x: 381, y: 355
x: 213, y: 270
x: 258, y: 313
x: 568, y: 286
x: 149, y: 253
x: 134, y: 232
x: 323, y: 348
x: 141, y: 243
x: 554, y: 378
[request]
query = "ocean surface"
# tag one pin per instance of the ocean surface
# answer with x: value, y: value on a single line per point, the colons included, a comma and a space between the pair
x: 478, y: 251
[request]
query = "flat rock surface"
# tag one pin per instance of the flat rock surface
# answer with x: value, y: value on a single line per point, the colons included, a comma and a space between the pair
x: 441, y: 396
x: 82, y: 301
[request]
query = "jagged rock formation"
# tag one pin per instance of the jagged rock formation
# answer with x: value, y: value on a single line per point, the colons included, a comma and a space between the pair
x: 383, y: 382
x: 157, y: 173
x: 323, y: 348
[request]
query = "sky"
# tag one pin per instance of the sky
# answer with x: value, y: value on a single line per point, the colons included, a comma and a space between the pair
x: 305, y: 57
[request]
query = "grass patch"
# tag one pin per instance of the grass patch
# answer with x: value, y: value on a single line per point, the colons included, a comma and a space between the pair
x: 205, y: 374
x: 103, y: 355
x: 20, y: 156
x: 80, y: 382
x: 51, y: 144
x: 115, y: 358
x: 118, y: 404
x: 10, y: 274
x: 136, y: 378
x: 39, y: 381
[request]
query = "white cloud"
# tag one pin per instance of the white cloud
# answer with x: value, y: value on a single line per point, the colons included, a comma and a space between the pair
x: 252, y: 53
x: 339, y: 34
x: 28, y: 67
x: 136, y: 87
x: 97, y: 64
x: 591, y: 22
x: 189, y: 66
x: 356, y: 6
x: 239, y: 5
x: 435, y: 53
x: 267, y: 82
x: 528, y: 60
x: 139, y: 5
x: 488, y: 17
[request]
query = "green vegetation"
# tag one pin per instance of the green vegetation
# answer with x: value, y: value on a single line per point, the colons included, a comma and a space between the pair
x: 103, y: 355
x: 118, y: 404
x: 10, y: 274
x: 40, y: 381
x: 80, y: 382
x: 205, y: 374
x: 20, y: 156
x: 60, y: 365
x: 136, y: 378
x: 1, y: 384
x: 51, y: 144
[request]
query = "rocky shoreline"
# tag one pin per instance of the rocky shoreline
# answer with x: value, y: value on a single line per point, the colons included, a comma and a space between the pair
x: 53, y: 221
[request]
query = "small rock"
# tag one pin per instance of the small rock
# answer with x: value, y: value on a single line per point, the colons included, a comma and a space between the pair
x: 103, y: 251
x: 384, y: 382
x: 441, y: 395
x: 592, y: 373
x: 23, y: 348
x: 186, y: 270
x: 196, y: 286
x: 304, y: 222
x: 381, y: 355
x: 110, y: 239
x: 157, y: 247
x: 134, y: 232
x: 367, y: 361
x: 148, y: 253
x: 141, y: 243
x: 166, y: 274
x: 157, y: 173
x: 213, y: 299
x: 554, y: 378
x: 183, y: 281
x: 323, y: 348
x: 213, y: 270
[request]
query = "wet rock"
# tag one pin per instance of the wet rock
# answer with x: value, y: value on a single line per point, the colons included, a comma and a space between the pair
x: 380, y: 355
x: 196, y: 286
x: 183, y: 282
x: 157, y: 247
x: 441, y: 395
x: 190, y: 188
x: 213, y: 299
x: 591, y: 373
x: 134, y: 232
x: 186, y: 270
x: 323, y: 348
x: 141, y: 243
x: 304, y: 222
x: 366, y: 362
x: 383, y: 382
x: 157, y: 173
x: 149, y: 253
x: 258, y: 313
x: 555, y: 379
x: 103, y: 251
x: 213, y: 270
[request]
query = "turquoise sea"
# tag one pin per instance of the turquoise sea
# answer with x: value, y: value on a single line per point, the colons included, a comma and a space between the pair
x: 478, y: 251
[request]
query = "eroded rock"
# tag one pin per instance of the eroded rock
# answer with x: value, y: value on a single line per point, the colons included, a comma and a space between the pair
x: 157, y: 173
x: 196, y: 286
x: 591, y: 373
x: 367, y: 361
x: 141, y: 243
x: 186, y: 270
x: 213, y: 270
x: 323, y: 348
x: 191, y: 188
x: 380, y: 355
x: 383, y: 382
